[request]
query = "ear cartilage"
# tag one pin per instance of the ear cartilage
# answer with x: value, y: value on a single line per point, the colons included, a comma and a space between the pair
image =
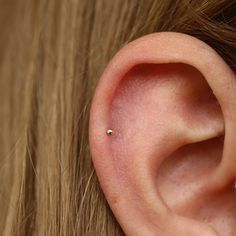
x: 109, y: 132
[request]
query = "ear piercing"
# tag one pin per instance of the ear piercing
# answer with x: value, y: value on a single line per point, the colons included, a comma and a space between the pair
x: 109, y: 132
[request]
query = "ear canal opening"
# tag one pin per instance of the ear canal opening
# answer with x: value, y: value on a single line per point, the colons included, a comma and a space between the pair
x: 182, y: 182
x: 181, y: 173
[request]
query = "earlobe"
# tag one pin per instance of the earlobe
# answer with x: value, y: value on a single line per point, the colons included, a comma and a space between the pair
x: 161, y: 100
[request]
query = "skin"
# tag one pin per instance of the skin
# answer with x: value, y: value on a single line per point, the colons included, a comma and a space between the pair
x: 169, y: 166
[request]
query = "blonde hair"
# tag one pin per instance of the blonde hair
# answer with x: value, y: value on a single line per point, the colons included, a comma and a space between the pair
x: 52, y: 54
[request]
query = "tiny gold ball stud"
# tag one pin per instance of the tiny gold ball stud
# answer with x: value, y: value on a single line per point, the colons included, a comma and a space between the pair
x: 109, y: 132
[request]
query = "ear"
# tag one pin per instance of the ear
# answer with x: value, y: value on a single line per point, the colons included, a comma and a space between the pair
x: 168, y: 166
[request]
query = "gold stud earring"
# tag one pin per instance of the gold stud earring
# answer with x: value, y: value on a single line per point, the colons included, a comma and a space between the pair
x: 109, y: 132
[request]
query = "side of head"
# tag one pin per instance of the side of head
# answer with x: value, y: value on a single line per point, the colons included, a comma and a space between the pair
x: 52, y: 56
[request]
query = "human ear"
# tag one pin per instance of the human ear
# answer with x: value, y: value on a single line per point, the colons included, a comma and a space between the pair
x: 168, y: 165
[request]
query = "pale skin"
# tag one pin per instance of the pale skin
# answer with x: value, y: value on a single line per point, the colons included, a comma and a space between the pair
x: 168, y: 165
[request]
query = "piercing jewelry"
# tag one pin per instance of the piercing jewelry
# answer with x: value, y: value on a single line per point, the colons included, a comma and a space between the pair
x: 109, y: 132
